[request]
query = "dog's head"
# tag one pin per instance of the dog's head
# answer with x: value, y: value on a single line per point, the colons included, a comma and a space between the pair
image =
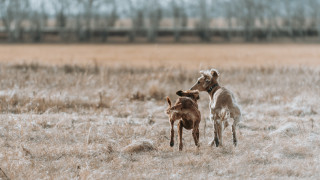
x: 207, y: 79
x: 193, y: 94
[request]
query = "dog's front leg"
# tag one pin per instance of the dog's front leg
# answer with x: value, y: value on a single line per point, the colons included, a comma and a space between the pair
x: 172, y: 133
x: 215, y: 132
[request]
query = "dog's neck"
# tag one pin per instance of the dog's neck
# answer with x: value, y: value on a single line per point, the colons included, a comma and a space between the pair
x: 212, y: 89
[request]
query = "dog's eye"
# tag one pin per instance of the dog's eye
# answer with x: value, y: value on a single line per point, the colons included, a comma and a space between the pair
x: 198, y: 82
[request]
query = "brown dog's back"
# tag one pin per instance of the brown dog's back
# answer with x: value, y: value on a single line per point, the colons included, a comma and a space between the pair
x: 186, y: 111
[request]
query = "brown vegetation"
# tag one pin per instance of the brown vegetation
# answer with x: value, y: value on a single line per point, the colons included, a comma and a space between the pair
x: 190, y: 56
x: 52, y: 123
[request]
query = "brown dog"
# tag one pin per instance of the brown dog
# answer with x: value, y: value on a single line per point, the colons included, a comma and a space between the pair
x: 186, y: 111
x: 223, y: 105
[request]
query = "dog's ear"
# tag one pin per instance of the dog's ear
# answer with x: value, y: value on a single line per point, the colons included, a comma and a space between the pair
x: 179, y: 93
x: 206, y: 74
x: 194, y: 94
x: 214, y: 73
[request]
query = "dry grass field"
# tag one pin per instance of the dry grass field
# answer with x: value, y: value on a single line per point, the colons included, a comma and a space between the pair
x: 188, y: 56
x: 77, y: 112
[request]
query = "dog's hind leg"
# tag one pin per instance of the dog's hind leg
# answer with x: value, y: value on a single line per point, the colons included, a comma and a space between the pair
x: 180, y: 127
x: 217, y: 133
x: 235, y: 140
x: 234, y: 127
x: 172, y: 133
x: 195, y: 134
x: 220, y: 132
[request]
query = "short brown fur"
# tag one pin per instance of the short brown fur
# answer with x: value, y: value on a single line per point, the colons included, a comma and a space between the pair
x: 186, y: 111
x: 223, y: 105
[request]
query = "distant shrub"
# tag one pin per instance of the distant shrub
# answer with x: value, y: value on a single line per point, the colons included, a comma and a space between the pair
x: 156, y: 93
x: 25, y: 67
x: 138, y: 96
x: 69, y: 69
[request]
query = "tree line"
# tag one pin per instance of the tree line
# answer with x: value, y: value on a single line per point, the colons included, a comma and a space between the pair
x: 96, y: 20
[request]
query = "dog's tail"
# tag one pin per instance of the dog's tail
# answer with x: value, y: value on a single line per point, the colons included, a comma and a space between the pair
x: 169, y: 102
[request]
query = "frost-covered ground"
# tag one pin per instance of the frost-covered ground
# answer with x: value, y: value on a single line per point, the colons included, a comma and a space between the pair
x: 65, y: 122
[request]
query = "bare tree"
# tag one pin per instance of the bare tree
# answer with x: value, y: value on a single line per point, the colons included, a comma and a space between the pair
x: 203, y: 25
x: 61, y: 8
x: 13, y: 12
x: 136, y: 13
x: 288, y: 17
x: 299, y: 18
x: 247, y: 17
x: 314, y: 13
x: 78, y: 16
x: 109, y: 16
x: 271, y: 18
x: 252, y: 19
x: 38, y: 19
x: 154, y: 18
x: 229, y: 12
x: 180, y: 17
x: 88, y: 13
x: 5, y: 15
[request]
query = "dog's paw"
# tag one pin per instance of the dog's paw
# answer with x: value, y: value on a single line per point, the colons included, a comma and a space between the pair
x: 171, y: 144
x: 235, y: 143
x: 216, y: 142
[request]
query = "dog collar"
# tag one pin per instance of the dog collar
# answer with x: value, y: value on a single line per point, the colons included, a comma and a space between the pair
x: 212, y: 87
